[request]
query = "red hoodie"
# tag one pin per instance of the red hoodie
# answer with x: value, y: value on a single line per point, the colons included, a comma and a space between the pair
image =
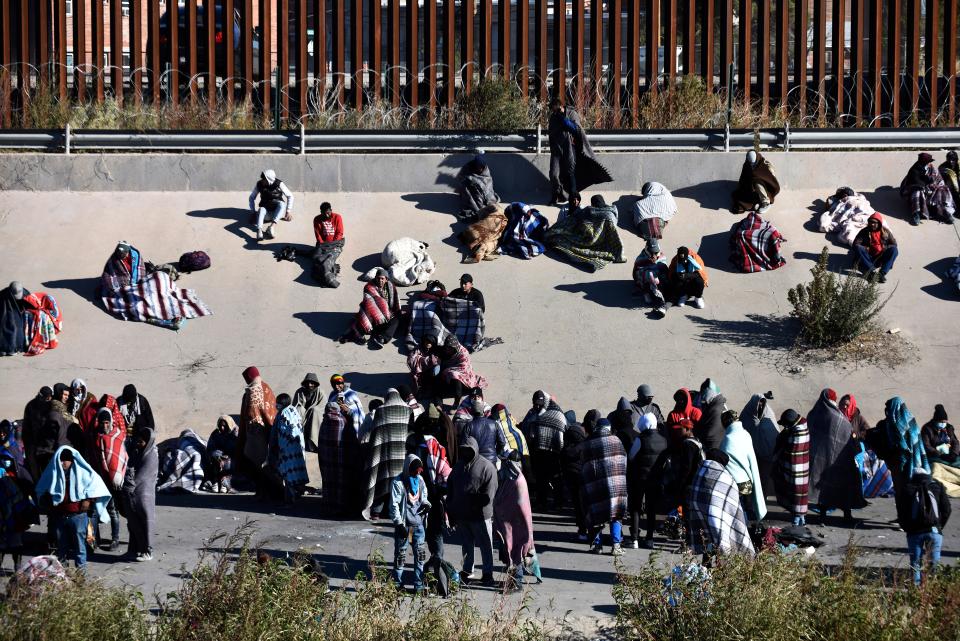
x: 689, y: 411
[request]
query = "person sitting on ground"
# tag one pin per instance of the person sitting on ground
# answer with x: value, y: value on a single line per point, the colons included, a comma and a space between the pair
x: 943, y: 450
x: 379, y: 313
x: 647, y: 447
x: 650, y: 275
x: 950, y: 170
x: 874, y: 249
x: 476, y: 188
x: 181, y: 464
x: 589, y: 235
x: 738, y: 446
x: 445, y: 371
x: 687, y: 276
x: 328, y: 229
x: 467, y: 291
x: 285, y: 450
x: 276, y: 201
x: 604, y: 477
x: 758, y: 185
x: 482, y: 238
x: 644, y: 405
x: 525, y: 231
x: 668, y: 484
x: 653, y: 211
x: 923, y: 510
x: 408, y: 510
x: 13, y: 339
x: 718, y: 524
x: 928, y: 193
x: 791, y: 475
x: 755, y: 245
x: 221, y: 453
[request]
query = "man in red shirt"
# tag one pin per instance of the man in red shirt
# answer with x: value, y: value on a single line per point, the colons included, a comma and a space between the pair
x: 328, y: 228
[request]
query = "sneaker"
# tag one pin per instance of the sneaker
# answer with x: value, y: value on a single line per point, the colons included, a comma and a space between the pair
x: 467, y: 577
x: 633, y: 544
x: 113, y: 546
x: 698, y: 302
x: 882, y: 278
x: 681, y: 301
x: 269, y: 233
x: 145, y: 556
x: 616, y: 550
x: 662, y: 310
x: 596, y: 548
x: 259, y: 234
x: 764, y: 208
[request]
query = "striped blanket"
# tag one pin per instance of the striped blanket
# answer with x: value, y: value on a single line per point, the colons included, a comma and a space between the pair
x: 525, y: 230
x: 792, y: 480
x: 424, y: 320
x: 182, y: 466
x: 604, y: 477
x: 153, y: 298
x: 755, y: 245
x: 377, y: 308
x: 42, y: 322
x: 717, y: 522
x: 388, y: 448
x: 588, y: 240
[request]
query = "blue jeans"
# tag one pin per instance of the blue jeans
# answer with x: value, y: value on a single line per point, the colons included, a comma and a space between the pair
x: 400, y: 535
x: 916, y: 544
x: 276, y: 213
x: 884, y: 261
x: 71, y: 531
x: 616, y: 532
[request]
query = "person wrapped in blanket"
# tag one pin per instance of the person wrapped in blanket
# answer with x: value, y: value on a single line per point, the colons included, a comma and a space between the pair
x: 285, y: 449
x: 328, y: 229
x: 653, y: 211
x: 846, y: 214
x: 755, y: 245
x: 943, y: 450
x: 588, y: 235
x: 927, y: 192
x: 758, y: 185
x: 475, y: 186
x: 482, y: 238
x: 29, y: 322
x: 686, y: 279
x: 17, y: 508
x: 874, y: 249
x: 650, y: 275
x: 525, y: 230
x: 573, y: 164
x: 718, y: 524
x: 442, y: 371
x: 950, y: 170
x: 135, y: 289
x: 379, y: 313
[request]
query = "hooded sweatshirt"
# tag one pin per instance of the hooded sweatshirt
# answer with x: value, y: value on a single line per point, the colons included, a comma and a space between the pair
x: 709, y: 430
x: 472, y: 485
x: 408, y: 496
x: 875, y: 241
x: 687, y: 411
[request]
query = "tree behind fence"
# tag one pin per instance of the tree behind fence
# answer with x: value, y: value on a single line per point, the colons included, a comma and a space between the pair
x: 849, y: 62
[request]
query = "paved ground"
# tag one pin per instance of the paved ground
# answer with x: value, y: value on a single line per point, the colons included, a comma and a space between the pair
x: 579, y: 335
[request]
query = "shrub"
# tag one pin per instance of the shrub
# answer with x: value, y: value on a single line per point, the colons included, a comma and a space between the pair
x: 786, y: 598
x: 834, y: 309
x: 494, y: 105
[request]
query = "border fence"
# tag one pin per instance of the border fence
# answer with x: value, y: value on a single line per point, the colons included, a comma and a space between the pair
x: 851, y: 62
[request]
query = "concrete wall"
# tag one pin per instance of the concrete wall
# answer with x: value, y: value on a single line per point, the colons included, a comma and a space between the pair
x: 516, y: 175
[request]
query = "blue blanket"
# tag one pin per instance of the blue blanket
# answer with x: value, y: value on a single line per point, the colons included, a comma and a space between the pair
x: 85, y: 484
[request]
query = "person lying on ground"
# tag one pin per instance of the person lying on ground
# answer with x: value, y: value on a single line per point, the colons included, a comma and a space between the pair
x: 588, y: 235
x: 526, y: 227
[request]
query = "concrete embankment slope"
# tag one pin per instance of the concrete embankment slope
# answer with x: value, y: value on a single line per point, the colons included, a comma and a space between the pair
x: 579, y: 335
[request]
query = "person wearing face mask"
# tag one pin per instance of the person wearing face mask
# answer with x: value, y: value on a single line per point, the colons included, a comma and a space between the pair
x: 943, y: 450
x: 276, y: 199
x: 758, y: 185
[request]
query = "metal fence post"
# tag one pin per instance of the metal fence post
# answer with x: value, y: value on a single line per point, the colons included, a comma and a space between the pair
x: 303, y: 139
x: 539, y: 133
x: 786, y: 136
x: 66, y: 139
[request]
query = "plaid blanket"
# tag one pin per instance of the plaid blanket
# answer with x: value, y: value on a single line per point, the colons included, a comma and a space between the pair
x: 545, y: 431
x: 717, y: 522
x: 287, y: 447
x: 459, y: 367
x: 182, y: 466
x: 42, y: 320
x: 604, y: 477
x: 336, y: 453
x: 525, y: 230
x: 129, y: 293
x: 592, y: 241
x: 424, y: 320
x: 376, y: 308
x: 464, y: 319
x: 792, y: 481
x: 755, y: 245
x: 388, y: 448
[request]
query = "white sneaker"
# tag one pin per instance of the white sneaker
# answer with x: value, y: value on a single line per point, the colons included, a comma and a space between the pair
x: 681, y: 301
x: 764, y: 208
x: 259, y: 233
x: 144, y: 556
x: 662, y: 310
x: 617, y: 550
x: 698, y: 303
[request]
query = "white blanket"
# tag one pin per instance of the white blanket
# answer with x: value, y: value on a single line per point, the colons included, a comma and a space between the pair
x: 407, y: 261
x: 846, y: 217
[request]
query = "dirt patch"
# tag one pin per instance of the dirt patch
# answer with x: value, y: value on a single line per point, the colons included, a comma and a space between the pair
x: 874, y: 348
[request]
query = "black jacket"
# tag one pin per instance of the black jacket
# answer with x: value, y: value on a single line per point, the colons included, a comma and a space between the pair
x: 570, y: 455
x: 652, y: 445
x: 905, y: 504
x: 709, y: 430
x: 475, y: 296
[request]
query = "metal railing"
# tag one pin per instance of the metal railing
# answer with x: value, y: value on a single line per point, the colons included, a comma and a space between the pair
x: 531, y: 141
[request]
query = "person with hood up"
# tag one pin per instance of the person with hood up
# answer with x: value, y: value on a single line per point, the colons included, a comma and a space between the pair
x: 69, y: 489
x: 928, y: 194
x: 387, y: 447
x: 709, y: 429
x: 622, y: 423
x: 760, y: 421
x: 717, y: 522
x: 923, y: 510
x: 650, y: 275
x: 424, y: 443
x: 309, y: 398
x: 589, y: 235
x: 848, y: 405
x: 687, y: 278
x: 475, y: 187
x: 409, y: 506
x: 668, y: 484
x: 647, y: 447
x: 544, y: 426
x: 13, y: 337
x: 135, y: 409
x: 571, y: 466
x: 758, y: 185
x: 683, y: 409
x: 653, y: 211
x: 604, y: 477
x: 472, y: 487
x: 645, y: 405
x: 485, y: 430
x: 874, y: 249
x: 905, y: 441
x: 791, y: 476
x: 139, y: 493
x: 834, y: 478
x: 276, y: 199
x: 285, y: 451
x: 108, y: 456
x: 82, y: 403
x: 950, y: 170
x: 742, y: 466
x: 34, y: 416
x: 941, y: 444
x: 513, y: 518
x: 258, y: 410
x: 221, y: 454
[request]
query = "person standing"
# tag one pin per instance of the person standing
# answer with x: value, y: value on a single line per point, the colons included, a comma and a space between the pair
x: 34, y: 416
x: 276, y: 200
x: 347, y: 399
x: 513, y: 518
x: 285, y: 450
x: 387, y: 448
x: 258, y: 409
x: 136, y: 410
x: 309, y: 398
x: 573, y: 165
x: 139, y: 493
x: 489, y: 437
x: 473, y: 486
x: 923, y: 510
x: 108, y: 456
x: 791, y: 456
x: 742, y: 465
x: 409, y: 506
x: 544, y: 426
x: 834, y: 478
x: 604, y: 477
x: 647, y: 447
x: 645, y: 405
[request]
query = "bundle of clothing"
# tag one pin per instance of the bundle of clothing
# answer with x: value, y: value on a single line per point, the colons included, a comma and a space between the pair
x: 755, y: 245
x: 476, y: 187
x: 133, y: 289
x: 482, y: 238
x: 406, y: 262
x: 588, y: 236
x: 434, y: 313
x: 526, y: 227
x: 181, y: 463
x: 847, y: 213
x: 29, y: 322
x: 655, y: 208
x: 927, y: 192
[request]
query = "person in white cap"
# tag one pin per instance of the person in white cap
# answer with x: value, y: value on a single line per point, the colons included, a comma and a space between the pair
x: 275, y: 199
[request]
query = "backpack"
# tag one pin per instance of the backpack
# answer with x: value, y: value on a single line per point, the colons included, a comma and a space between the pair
x: 923, y: 507
x: 193, y: 262
x: 441, y: 576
